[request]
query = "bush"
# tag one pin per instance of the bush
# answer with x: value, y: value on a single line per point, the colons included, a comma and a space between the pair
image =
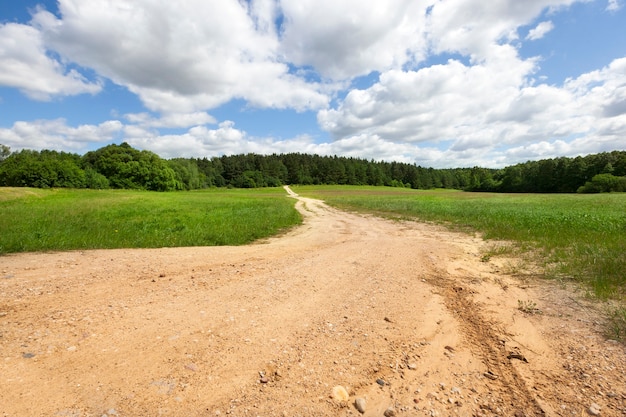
x: 126, y: 167
x: 95, y: 180
x: 45, y: 169
x: 604, y: 183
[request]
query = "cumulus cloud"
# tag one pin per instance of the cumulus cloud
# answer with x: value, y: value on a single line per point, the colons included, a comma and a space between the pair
x: 540, y: 30
x: 439, y: 102
x: 344, y: 39
x: 180, y: 56
x: 226, y: 139
x: 613, y: 5
x: 478, y: 108
x: 173, y: 120
x: 25, y: 65
x: 473, y: 27
x: 56, y: 134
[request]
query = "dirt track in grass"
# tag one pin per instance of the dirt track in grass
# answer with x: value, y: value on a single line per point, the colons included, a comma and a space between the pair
x: 403, y: 315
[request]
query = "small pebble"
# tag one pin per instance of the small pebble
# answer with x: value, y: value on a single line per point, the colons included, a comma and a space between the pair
x: 594, y: 409
x: 432, y: 395
x: 390, y: 412
x: 359, y: 403
x: 340, y: 393
x: 380, y: 382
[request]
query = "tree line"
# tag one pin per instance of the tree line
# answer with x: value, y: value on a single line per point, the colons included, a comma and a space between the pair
x: 602, y: 172
x: 122, y: 166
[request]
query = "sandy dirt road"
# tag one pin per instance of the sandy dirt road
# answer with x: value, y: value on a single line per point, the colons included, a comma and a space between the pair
x: 404, y: 316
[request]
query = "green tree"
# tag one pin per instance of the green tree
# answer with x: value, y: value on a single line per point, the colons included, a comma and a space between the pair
x: 188, y: 173
x: 249, y: 179
x: 45, y: 169
x: 95, y: 180
x: 604, y: 183
x: 126, y: 167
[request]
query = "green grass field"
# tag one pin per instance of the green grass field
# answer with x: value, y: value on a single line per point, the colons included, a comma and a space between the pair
x: 64, y: 219
x: 573, y: 236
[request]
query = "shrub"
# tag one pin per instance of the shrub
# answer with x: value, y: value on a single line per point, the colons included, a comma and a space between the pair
x: 604, y: 183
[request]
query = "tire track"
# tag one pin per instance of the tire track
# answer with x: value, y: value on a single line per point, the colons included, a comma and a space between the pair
x: 483, y: 337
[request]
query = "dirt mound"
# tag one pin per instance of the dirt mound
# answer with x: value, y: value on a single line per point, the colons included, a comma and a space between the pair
x: 403, y: 317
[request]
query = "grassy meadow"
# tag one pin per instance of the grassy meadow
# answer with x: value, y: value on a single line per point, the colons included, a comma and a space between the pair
x: 573, y: 236
x: 65, y: 219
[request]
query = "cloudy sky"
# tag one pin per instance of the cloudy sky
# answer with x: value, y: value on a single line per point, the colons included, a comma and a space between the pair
x: 439, y: 83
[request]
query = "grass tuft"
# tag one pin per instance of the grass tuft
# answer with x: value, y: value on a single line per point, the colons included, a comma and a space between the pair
x: 616, y: 324
x: 528, y: 307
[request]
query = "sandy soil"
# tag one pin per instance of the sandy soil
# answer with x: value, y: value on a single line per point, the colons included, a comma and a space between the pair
x: 404, y: 316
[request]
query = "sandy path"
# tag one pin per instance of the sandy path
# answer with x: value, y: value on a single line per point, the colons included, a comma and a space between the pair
x: 269, y: 329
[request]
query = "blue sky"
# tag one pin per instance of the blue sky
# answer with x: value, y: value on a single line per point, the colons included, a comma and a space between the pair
x: 439, y: 83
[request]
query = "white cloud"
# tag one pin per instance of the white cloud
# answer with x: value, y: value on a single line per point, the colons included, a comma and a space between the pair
x: 436, y: 103
x: 540, y: 30
x: 180, y: 56
x: 344, y: 39
x: 477, y: 110
x: 196, y: 142
x: 57, y: 135
x: 201, y: 141
x: 25, y: 65
x: 472, y: 27
x: 175, y: 120
x: 613, y: 5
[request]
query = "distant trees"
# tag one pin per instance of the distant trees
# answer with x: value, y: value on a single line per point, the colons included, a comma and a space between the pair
x: 44, y: 169
x: 121, y: 166
x: 116, y: 166
x: 254, y: 170
x: 561, y: 175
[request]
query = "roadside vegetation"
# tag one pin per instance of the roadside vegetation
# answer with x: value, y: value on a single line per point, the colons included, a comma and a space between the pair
x: 67, y: 219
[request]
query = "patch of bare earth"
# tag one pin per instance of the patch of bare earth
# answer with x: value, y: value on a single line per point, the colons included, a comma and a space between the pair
x: 404, y: 316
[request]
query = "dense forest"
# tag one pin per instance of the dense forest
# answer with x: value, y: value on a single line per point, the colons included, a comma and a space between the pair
x: 121, y: 166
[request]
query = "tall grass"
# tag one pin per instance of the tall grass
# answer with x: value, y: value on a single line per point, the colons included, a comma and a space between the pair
x: 581, y: 237
x: 64, y: 219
